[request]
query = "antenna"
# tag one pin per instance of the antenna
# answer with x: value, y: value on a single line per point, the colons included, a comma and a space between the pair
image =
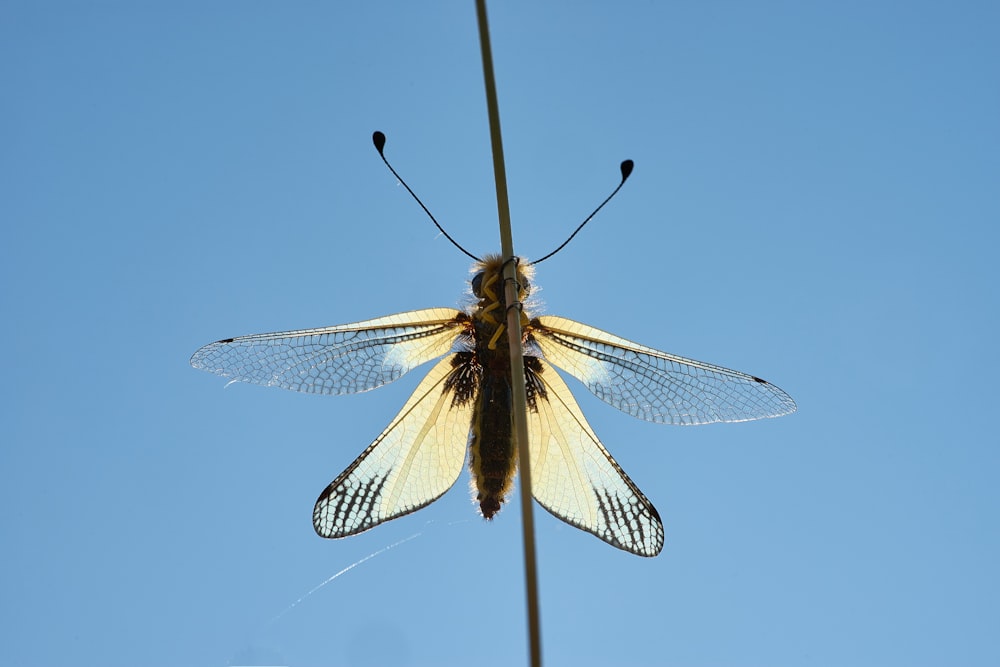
x: 379, y: 140
x: 626, y: 168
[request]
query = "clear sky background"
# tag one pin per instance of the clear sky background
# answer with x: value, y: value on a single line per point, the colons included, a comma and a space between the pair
x: 814, y: 201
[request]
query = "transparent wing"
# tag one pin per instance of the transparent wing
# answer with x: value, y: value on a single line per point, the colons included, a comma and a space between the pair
x: 344, y: 359
x: 575, y: 478
x: 416, y: 459
x: 653, y: 385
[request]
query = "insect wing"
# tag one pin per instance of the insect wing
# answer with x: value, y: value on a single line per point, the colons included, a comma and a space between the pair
x: 654, y: 385
x: 577, y: 480
x: 416, y: 459
x: 343, y: 359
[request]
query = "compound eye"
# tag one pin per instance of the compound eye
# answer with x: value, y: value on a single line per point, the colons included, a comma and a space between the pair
x: 525, y: 286
x: 477, y: 285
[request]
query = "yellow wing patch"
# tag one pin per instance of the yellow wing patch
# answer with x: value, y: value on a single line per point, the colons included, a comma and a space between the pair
x: 416, y: 459
x: 576, y: 479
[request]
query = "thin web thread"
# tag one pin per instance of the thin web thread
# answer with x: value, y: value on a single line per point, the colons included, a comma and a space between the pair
x: 345, y: 571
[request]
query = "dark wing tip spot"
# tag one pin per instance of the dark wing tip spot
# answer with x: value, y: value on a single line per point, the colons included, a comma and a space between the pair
x: 759, y: 380
x: 230, y: 340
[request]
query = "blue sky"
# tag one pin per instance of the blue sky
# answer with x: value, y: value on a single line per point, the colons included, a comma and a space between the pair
x: 814, y: 202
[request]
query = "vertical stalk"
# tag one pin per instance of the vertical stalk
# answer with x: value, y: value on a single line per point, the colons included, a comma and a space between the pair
x: 514, y: 338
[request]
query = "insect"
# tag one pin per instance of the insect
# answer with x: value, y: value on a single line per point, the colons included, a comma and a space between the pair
x: 463, y: 408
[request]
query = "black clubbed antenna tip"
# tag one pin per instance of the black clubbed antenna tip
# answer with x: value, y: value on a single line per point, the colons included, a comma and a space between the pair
x: 626, y: 168
x: 379, y: 140
x: 626, y: 165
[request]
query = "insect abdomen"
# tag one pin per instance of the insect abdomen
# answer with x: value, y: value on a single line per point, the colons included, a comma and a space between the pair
x: 492, y: 459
